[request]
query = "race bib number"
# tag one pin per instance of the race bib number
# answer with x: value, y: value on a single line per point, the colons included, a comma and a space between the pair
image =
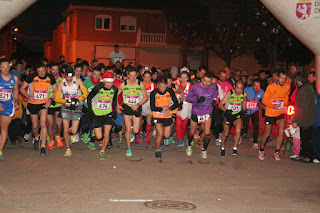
x: 235, y: 107
x: 252, y: 105
x: 281, y: 102
x: 103, y: 105
x: 132, y: 100
x: 5, y: 94
x: 40, y: 94
x: 203, y: 118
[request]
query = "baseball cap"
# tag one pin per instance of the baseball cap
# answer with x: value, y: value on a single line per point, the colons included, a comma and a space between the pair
x: 174, y: 70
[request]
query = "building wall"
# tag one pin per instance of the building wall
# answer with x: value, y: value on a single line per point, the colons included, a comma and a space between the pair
x: 85, y: 22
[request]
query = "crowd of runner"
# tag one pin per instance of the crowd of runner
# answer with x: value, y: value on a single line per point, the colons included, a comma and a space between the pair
x: 53, y: 103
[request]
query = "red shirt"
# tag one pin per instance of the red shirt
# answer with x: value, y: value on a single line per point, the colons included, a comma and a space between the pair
x: 117, y: 83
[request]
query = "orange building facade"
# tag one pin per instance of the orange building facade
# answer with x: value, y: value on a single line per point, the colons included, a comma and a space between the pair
x: 91, y: 32
x: 143, y: 36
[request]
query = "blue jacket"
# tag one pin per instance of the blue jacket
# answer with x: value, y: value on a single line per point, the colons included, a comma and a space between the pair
x: 253, y: 96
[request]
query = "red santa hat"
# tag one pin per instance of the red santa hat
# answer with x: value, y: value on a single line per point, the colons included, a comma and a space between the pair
x: 108, y: 77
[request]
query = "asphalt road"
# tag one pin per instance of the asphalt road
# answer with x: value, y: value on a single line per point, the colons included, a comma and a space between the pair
x: 83, y: 183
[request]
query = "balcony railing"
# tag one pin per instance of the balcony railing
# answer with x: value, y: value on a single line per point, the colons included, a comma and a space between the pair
x: 152, y: 38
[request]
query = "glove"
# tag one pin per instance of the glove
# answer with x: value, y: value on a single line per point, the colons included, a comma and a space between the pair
x: 214, y: 103
x: 201, y: 99
x: 114, y: 115
x: 73, y: 102
x: 180, y: 106
x: 228, y: 112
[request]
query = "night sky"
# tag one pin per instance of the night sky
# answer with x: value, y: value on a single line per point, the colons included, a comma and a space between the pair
x: 38, y: 21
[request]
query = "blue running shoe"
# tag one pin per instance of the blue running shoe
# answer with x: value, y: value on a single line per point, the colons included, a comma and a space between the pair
x: 181, y: 143
x: 167, y: 142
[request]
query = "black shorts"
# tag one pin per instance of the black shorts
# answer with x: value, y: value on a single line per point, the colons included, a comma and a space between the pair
x: 229, y: 119
x: 128, y: 111
x: 272, y: 120
x: 51, y: 111
x: 34, y: 109
x: 194, y: 117
x: 165, y: 121
x: 100, y: 121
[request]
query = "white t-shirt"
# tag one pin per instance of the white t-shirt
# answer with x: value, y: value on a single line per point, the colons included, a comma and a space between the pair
x: 116, y: 57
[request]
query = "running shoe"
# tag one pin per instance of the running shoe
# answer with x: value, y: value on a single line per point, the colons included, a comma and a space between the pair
x: 92, y: 146
x: 307, y: 160
x: 172, y: 140
x: 138, y: 138
x: 1, y: 155
x: 59, y: 142
x: 295, y: 157
x: 222, y: 152
x: 36, y: 144
x: 220, y: 137
x: 181, y: 143
x: 217, y: 142
x: 167, y: 142
x: 51, y: 145
x: 255, y: 146
x: 204, y: 154
x: 77, y: 138
x: 234, y: 152
x: 154, y: 133
x: 102, y: 155
x: 26, y: 137
x: 120, y: 139
x: 129, y: 153
x: 189, y: 151
x: 110, y: 145
x: 100, y: 143
x: 43, y: 151
x: 73, y: 139
x: 158, y: 154
x: 132, y: 137
x: 201, y: 144
x: 314, y: 160
x: 196, y: 136
x: 112, y: 136
x: 68, y: 153
x: 261, y: 155
x: 276, y: 156
x: 147, y: 140
x: 86, y: 138
x: 143, y: 135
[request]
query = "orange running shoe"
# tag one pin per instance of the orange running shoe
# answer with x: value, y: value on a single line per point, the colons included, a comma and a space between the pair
x: 51, y: 145
x: 59, y: 142
x: 100, y: 144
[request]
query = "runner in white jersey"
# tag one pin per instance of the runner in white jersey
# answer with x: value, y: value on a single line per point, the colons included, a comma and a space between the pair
x: 71, y: 109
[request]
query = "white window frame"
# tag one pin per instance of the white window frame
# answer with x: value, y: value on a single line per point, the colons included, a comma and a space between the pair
x: 128, y: 21
x: 102, y: 23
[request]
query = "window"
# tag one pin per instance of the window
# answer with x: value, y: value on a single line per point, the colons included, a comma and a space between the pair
x: 103, y: 22
x: 128, y: 24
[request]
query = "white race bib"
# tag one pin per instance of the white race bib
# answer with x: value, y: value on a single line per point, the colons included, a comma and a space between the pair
x: 40, y: 94
x: 132, y: 100
x: 234, y: 107
x: 280, y: 101
x: 252, y: 105
x: 103, y: 105
x: 5, y: 94
x: 203, y: 118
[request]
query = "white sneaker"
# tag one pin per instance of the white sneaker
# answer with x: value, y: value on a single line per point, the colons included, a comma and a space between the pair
x: 276, y: 156
x: 261, y: 155
x: 218, y: 142
x: 77, y: 139
x: 204, y: 154
x: 316, y: 161
x: 293, y: 156
x: 255, y: 146
x: 189, y: 151
x: 154, y: 133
